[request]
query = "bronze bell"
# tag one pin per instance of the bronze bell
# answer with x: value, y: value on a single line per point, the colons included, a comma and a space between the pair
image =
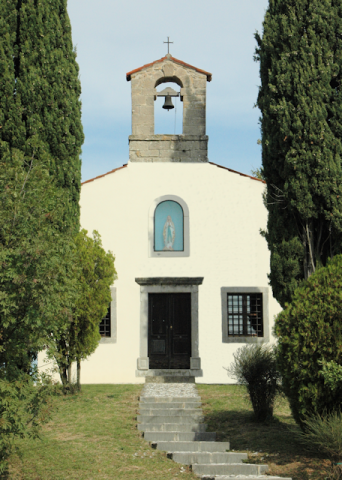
x: 168, y: 105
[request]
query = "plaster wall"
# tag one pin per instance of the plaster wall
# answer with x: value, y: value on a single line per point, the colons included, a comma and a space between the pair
x: 225, y: 247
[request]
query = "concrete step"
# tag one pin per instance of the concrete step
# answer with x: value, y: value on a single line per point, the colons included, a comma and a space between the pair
x: 155, y: 405
x: 191, y: 446
x: 190, y: 458
x: 185, y: 419
x: 242, y: 477
x: 170, y: 412
x: 179, y: 436
x: 169, y: 399
x: 172, y: 427
x: 213, y: 469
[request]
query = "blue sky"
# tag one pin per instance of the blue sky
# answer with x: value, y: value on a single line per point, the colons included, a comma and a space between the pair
x: 114, y: 37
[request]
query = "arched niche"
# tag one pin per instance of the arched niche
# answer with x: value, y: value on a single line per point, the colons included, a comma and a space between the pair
x: 168, y: 122
x: 157, y: 249
x: 172, y: 79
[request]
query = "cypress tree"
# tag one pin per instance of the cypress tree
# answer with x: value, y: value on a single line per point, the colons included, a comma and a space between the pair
x: 40, y: 110
x: 300, y: 98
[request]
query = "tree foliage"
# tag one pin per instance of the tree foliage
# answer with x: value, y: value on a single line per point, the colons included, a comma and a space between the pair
x: 24, y: 407
x: 40, y: 141
x: 309, y: 333
x: 300, y: 98
x: 96, y: 274
x: 40, y: 110
x: 38, y: 271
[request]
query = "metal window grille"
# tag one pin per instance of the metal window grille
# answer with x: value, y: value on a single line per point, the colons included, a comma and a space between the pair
x: 245, y: 316
x: 105, y: 325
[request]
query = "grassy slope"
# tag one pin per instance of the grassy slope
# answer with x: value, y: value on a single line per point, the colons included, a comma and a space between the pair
x: 229, y: 413
x: 93, y: 436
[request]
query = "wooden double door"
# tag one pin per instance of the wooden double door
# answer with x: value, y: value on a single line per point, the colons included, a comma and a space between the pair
x: 169, y: 330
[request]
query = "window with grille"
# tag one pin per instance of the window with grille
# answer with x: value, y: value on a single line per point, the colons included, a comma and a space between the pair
x: 245, y: 317
x: 105, y: 325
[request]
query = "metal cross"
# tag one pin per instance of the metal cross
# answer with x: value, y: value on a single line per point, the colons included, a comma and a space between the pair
x: 168, y: 44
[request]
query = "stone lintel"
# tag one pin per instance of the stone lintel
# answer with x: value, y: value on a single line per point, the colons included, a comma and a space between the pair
x: 170, y: 281
x: 161, y: 138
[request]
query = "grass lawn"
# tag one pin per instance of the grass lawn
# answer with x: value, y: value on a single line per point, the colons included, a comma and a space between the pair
x: 93, y: 435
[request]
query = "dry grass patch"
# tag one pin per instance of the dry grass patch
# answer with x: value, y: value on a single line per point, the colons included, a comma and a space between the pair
x: 93, y: 435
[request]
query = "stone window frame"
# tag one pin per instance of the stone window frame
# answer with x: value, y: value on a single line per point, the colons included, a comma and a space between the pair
x: 265, y: 308
x: 168, y: 285
x: 113, y: 320
x: 186, y: 239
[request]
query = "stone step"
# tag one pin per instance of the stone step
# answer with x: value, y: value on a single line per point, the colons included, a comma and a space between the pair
x: 190, y: 458
x: 180, y: 436
x: 185, y: 419
x: 170, y: 412
x: 169, y: 399
x: 242, y: 477
x: 155, y: 405
x: 172, y: 427
x: 213, y: 469
x: 191, y: 446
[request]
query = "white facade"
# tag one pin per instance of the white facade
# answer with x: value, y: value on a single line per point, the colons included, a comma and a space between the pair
x: 223, y: 249
x: 226, y: 213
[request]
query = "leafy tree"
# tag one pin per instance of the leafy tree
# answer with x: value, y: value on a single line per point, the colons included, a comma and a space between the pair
x: 300, y: 98
x: 309, y: 334
x: 24, y: 407
x: 40, y: 111
x: 38, y: 273
x: 95, y: 276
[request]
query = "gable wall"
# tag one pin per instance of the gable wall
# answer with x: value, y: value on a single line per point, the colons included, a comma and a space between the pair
x: 225, y: 215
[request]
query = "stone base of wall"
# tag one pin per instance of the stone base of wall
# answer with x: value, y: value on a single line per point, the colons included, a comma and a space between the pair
x: 168, y: 148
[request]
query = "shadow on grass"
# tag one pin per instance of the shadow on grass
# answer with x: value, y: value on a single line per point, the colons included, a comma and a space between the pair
x: 244, y: 433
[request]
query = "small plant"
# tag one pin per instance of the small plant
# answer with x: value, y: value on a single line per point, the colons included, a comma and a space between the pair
x: 255, y: 366
x: 323, y: 434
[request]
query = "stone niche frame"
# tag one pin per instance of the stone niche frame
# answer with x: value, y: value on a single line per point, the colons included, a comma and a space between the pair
x: 186, y: 231
x: 265, y: 310
x: 113, y: 320
x: 168, y: 285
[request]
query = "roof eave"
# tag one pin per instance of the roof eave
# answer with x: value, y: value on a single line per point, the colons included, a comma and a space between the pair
x: 180, y: 62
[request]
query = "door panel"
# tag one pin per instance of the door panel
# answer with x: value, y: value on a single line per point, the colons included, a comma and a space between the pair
x: 180, y: 335
x: 158, y: 326
x: 169, y: 330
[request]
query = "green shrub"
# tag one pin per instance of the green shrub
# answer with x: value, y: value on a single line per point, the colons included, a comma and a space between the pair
x: 255, y: 366
x: 332, y: 374
x: 23, y: 408
x: 309, y: 332
x: 323, y: 434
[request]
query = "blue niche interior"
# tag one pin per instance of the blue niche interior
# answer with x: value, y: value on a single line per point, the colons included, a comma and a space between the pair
x: 168, y: 227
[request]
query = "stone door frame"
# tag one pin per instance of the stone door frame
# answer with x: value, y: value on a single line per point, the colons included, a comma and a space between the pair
x: 168, y: 285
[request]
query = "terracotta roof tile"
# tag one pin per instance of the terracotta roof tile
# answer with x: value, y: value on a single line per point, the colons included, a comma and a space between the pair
x: 173, y: 59
x: 100, y: 176
x: 239, y: 173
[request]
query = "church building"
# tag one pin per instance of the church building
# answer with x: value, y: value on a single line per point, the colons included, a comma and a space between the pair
x: 192, y: 266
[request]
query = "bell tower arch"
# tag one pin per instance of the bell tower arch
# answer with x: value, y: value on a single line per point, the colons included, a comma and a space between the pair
x: 192, y: 144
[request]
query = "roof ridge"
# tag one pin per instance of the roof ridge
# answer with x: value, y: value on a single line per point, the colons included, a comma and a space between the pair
x: 239, y: 173
x: 211, y: 163
x: 176, y: 60
x: 100, y: 176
